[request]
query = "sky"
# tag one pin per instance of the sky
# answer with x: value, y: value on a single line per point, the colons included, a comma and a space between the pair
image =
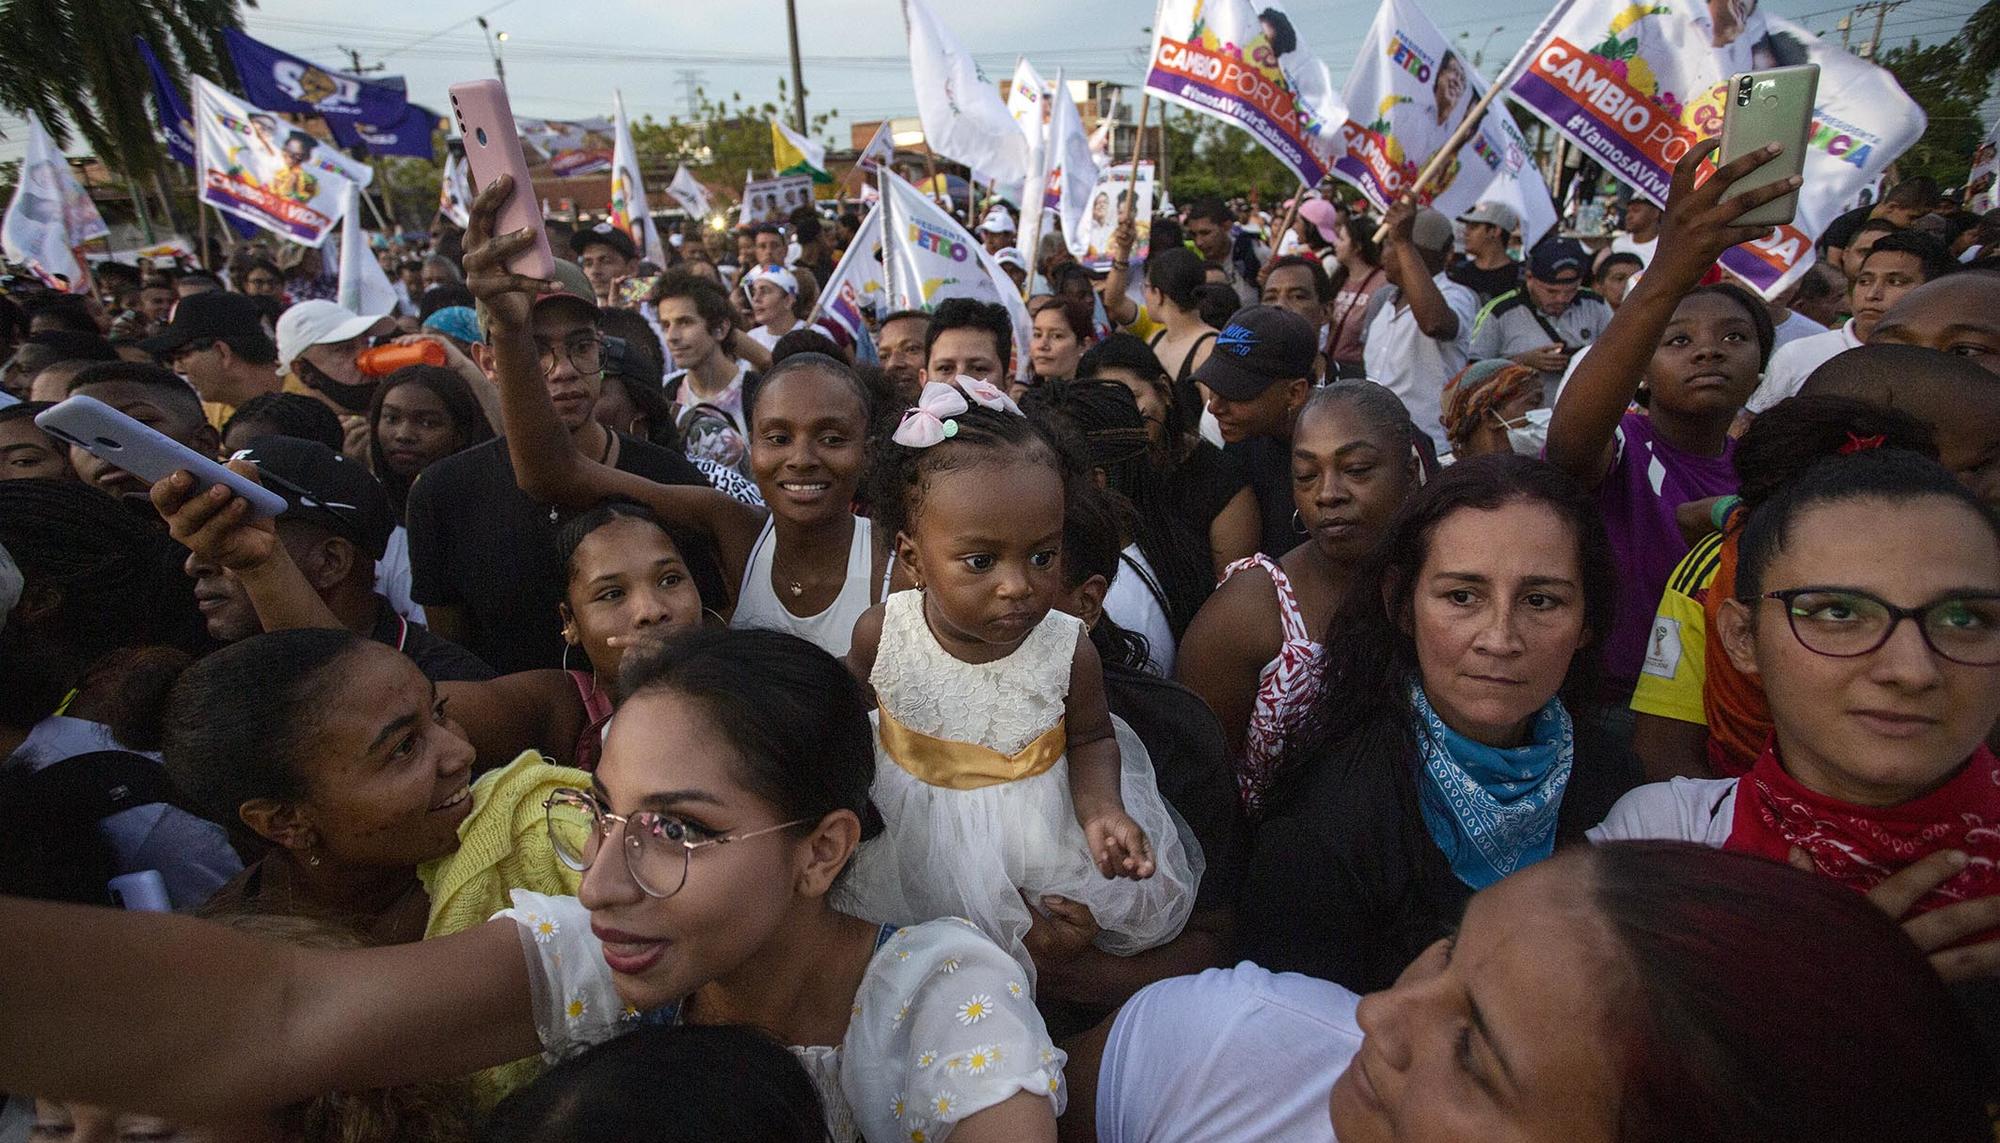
x: 563, y: 58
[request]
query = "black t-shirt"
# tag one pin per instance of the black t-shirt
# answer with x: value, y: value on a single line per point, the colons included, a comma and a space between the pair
x: 440, y: 659
x: 1488, y: 284
x: 477, y: 542
x: 1267, y: 462
x: 1344, y: 882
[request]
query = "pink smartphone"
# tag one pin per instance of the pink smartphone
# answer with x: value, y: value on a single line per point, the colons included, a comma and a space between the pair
x: 492, y: 149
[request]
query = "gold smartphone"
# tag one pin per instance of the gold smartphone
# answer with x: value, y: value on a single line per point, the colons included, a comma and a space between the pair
x: 1765, y: 107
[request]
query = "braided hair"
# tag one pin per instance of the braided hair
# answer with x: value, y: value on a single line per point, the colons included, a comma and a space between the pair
x: 1105, y: 418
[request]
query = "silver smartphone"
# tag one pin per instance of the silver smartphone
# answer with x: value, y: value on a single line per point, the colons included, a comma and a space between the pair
x: 1765, y: 107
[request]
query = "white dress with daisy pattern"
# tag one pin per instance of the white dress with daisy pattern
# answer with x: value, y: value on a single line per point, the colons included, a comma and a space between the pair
x: 948, y: 852
x: 943, y: 1026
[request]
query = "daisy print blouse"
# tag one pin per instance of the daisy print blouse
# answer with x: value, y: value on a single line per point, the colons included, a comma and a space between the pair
x: 944, y: 1024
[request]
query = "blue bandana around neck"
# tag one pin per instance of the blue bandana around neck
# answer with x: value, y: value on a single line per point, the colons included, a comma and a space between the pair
x: 1490, y: 810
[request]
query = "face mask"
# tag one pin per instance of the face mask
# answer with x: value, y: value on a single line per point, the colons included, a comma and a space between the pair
x: 1530, y: 432
x: 353, y: 398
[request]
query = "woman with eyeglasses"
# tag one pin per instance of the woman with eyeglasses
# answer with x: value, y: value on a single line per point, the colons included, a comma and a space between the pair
x: 1867, y: 604
x: 733, y: 792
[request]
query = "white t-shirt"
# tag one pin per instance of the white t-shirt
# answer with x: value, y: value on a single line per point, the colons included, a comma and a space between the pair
x: 1132, y: 605
x: 1792, y: 364
x: 1232, y: 1054
x: 1795, y: 327
x: 1680, y: 809
x: 392, y: 576
x: 1624, y: 243
x: 1414, y: 367
x: 764, y: 337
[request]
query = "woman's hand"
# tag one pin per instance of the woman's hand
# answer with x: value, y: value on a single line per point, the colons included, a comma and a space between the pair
x: 1936, y: 931
x: 1699, y: 223
x: 506, y: 299
x: 1057, y: 931
x: 214, y: 523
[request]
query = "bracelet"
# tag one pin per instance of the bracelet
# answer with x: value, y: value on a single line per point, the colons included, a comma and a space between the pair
x: 1127, y: 265
x: 1718, y: 513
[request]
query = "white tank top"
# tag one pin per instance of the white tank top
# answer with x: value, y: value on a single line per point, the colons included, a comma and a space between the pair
x: 832, y: 630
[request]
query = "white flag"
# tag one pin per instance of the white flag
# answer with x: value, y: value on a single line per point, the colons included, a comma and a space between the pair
x: 260, y: 169
x: 1028, y: 99
x: 51, y: 214
x: 1100, y: 142
x: 688, y: 191
x: 931, y: 257
x: 1409, y: 91
x: 1072, y: 169
x: 880, y: 150
x: 963, y: 116
x: 629, y: 211
x: 364, y: 287
x: 856, y: 285
x: 455, y: 191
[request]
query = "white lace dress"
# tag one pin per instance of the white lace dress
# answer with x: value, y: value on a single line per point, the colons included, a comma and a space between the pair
x: 972, y: 852
x: 943, y: 1024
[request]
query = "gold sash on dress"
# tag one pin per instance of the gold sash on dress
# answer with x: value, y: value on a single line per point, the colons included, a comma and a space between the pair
x: 967, y: 765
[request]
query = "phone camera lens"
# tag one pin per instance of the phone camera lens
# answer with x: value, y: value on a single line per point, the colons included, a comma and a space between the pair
x: 480, y: 135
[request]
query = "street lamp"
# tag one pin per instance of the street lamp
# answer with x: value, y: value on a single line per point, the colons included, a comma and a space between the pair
x: 493, y: 45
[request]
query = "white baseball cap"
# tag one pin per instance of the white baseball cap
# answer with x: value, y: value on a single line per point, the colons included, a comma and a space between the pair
x: 1011, y: 256
x: 998, y: 221
x: 318, y: 322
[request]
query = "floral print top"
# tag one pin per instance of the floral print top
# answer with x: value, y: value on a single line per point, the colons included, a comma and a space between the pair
x: 943, y: 1025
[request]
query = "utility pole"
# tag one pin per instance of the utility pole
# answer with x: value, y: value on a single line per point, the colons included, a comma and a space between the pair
x: 1882, y: 9
x: 354, y: 57
x: 1846, y: 27
x: 689, y: 81
x: 798, y: 73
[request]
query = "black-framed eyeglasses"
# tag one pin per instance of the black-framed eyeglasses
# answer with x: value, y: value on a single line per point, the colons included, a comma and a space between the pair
x: 657, y: 846
x: 585, y: 354
x: 1845, y: 623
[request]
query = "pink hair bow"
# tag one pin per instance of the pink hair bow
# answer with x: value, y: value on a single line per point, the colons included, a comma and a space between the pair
x: 930, y: 422
x: 988, y: 394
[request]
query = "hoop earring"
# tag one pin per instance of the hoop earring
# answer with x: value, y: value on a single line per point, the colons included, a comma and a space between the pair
x: 716, y: 615
x: 567, y: 645
x: 1298, y: 522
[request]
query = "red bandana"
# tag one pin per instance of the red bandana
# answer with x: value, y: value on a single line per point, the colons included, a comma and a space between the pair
x: 1862, y: 845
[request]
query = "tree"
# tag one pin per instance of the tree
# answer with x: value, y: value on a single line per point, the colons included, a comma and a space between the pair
x: 1942, y: 81
x: 725, y: 142
x: 72, y: 63
x: 1206, y: 156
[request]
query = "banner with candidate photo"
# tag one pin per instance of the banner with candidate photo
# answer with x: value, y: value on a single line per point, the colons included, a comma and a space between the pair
x: 1092, y: 242
x: 277, y: 80
x: 1244, y: 63
x: 568, y: 147
x: 774, y: 199
x: 1408, y: 92
x: 51, y: 216
x: 1637, y: 85
x: 258, y: 168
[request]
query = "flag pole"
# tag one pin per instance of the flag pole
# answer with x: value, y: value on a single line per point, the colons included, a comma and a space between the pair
x: 1138, y: 148
x: 1500, y: 83
x: 1291, y: 216
x: 883, y: 174
x: 930, y: 168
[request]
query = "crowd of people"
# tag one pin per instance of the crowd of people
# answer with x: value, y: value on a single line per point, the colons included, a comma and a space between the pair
x: 1379, y: 679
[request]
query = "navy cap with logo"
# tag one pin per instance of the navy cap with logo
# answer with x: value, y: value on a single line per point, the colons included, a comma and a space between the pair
x: 1261, y: 346
x: 1554, y: 256
x: 323, y: 486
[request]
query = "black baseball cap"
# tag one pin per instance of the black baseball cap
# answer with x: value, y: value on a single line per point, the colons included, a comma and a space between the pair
x: 323, y: 486
x: 1262, y: 346
x: 603, y: 234
x: 1556, y: 255
x: 207, y: 317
